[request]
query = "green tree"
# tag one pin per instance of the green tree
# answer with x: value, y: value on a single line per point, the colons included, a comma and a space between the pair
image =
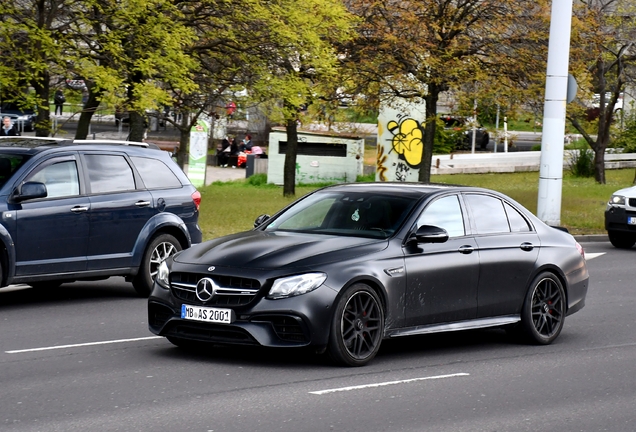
x: 603, y: 54
x: 32, y: 35
x: 420, y: 48
x: 294, y: 61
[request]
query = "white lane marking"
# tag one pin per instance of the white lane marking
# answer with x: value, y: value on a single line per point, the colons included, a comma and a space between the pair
x: 341, y: 389
x: 589, y: 256
x: 82, y: 345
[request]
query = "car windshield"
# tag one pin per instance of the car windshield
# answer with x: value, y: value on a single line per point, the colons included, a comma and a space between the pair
x: 9, y: 163
x: 358, y: 214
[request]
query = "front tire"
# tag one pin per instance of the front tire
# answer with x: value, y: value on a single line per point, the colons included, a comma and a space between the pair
x: 159, y: 248
x: 357, y: 326
x: 543, y: 313
x: 621, y: 240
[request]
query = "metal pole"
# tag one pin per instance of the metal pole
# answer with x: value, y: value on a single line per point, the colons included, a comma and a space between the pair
x: 505, y: 134
x: 556, y: 84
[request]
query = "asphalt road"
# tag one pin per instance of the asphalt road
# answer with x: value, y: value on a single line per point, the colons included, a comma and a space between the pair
x: 81, y: 358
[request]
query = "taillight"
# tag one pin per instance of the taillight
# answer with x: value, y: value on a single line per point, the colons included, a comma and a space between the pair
x: 580, y: 249
x: 196, y: 199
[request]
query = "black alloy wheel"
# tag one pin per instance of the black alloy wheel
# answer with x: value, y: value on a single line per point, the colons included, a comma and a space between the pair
x: 159, y: 248
x: 544, y: 309
x: 357, y: 327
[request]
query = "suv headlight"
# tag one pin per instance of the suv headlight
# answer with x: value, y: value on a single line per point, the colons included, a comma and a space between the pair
x: 617, y: 200
x: 296, y: 285
x: 163, y: 275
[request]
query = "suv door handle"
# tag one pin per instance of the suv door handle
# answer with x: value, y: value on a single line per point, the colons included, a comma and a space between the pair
x: 142, y: 203
x: 466, y: 249
x: 526, y: 246
x: 79, y: 209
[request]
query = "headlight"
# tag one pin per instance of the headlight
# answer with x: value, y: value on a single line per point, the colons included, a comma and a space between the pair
x: 163, y: 275
x: 617, y: 200
x: 296, y: 285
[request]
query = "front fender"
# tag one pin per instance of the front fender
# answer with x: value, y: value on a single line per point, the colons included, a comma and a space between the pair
x: 8, y: 260
x: 168, y: 223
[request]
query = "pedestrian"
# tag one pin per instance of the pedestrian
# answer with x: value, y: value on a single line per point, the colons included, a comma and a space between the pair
x: 246, y: 145
x: 8, y: 129
x: 223, y: 152
x: 59, y: 100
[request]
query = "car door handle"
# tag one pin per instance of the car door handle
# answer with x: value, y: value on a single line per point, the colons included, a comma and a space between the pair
x: 142, y: 203
x: 466, y: 249
x: 526, y: 246
x: 79, y: 209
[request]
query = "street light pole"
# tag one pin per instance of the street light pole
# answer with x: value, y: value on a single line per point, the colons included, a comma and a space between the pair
x: 556, y: 84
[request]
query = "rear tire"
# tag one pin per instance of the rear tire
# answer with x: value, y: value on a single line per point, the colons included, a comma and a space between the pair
x: 543, y: 313
x: 357, y: 326
x: 621, y: 240
x: 159, y: 248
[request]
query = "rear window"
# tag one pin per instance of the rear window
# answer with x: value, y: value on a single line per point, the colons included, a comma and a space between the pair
x: 155, y: 173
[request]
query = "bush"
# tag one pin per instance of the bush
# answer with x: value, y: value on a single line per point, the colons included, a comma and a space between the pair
x: 582, y: 162
x: 257, y: 180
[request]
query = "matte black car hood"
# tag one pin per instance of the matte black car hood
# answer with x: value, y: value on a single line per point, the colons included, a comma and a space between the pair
x: 263, y: 250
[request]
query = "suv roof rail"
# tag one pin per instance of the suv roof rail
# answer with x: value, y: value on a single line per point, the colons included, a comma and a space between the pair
x: 114, y: 142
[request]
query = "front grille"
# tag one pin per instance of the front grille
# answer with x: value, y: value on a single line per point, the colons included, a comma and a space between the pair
x: 231, y: 290
x: 631, y: 202
x: 287, y: 328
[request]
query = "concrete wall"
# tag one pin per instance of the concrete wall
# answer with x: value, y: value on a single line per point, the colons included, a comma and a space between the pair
x: 316, y: 168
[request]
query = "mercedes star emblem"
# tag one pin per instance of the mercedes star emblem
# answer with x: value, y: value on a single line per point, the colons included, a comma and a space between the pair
x: 206, y: 288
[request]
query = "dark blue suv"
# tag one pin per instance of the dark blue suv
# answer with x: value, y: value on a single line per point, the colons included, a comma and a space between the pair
x: 87, y: 211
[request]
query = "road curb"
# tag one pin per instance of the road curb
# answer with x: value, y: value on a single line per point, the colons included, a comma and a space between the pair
x: 588, y: 238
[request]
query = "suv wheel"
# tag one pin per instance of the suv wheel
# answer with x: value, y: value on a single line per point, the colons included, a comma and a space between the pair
x: 159, y: 248
x: 621, y: 240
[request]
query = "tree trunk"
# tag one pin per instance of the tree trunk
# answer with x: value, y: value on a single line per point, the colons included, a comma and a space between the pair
x: 43, y: 122
x: 429, y: 134
x: 289, y: 173
x: 184, y: 140
x: 137, y: 126
x: 599, y: 164
x: 88, y: 110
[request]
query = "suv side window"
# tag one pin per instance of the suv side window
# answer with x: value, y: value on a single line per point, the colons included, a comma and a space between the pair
x: 109, y: 173
x: 155, y: 174
x: 60, y: 178
x: 444, y: 213
x: 488, y: 214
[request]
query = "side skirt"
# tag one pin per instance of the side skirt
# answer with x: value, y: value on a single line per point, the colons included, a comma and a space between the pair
x: 455, y: 326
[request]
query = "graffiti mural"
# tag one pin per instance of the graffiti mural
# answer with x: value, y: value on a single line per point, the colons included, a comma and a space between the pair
x: 400, y: 142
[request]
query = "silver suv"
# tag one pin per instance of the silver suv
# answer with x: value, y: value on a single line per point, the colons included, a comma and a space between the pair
x: 620, y: 218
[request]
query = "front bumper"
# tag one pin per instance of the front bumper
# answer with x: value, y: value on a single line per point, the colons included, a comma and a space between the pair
x: 616, y: 219
x: 298, y: 321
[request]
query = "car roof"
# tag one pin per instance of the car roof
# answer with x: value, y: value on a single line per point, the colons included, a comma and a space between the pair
x: 37, y: 144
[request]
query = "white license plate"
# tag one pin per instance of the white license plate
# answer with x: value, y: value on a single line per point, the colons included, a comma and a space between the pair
x: 198, y: 313
x: 631, y: 220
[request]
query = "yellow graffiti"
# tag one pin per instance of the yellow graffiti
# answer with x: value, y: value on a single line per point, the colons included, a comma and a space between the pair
x: 380, y: 161
x: 407, y: 140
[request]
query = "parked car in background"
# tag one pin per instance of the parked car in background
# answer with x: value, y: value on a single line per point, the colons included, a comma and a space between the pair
x: 347, y: 266
x: 620, y: 218
x: 462, y: 124
x: 23, y: 118
x: 89, y: 210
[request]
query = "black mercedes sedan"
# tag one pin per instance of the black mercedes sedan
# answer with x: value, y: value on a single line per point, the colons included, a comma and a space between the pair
x: 347, y: 266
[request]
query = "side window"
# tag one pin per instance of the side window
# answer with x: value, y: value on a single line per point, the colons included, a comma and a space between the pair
x: 60, y: 179
x: 109, y: 173
x: 517, y: 222
x: 445, y: 213
x: 488, y: 213
x: 155, y: 174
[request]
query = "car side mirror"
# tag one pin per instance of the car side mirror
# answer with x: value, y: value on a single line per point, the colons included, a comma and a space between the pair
x: 29, y: 190
x: 261, y: 220
x: 431, y: 234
